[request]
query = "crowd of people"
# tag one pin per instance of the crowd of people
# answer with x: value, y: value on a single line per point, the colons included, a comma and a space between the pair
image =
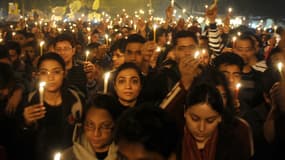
x: 177, y: 91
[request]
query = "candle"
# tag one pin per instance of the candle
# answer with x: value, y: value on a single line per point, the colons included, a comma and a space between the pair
x: 280, y: 67
x: 239, y: 34
x: 206, y: 6
x: 154, y: 32
x: 57, y: 156
x: 214, y: 4
x: 158, y: 49
x: 196, y: 55
x: 87, y: 54
x: 184, y: 11
x: 41, y: 47
x: 41, y: 92
x: 172, y: 3
x: 89, y: 39
x: 230, y: 10
x: 106, y: 39
x: 106, y: 78
x: 275, y: 29
x: 13, y: 34
x: 233, y: 41
x: 238, y: 85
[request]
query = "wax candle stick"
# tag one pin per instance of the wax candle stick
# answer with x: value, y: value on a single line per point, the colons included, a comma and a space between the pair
x: 233, y: 41
x: 154, y: 32
x: 41, y: 91
x: 57, y: 156
x: 172, y: 3
x: 106, y: 79
x: 106, y: 39
x: 238, y: 85
x: 86, y: 55
x: 41, y: 47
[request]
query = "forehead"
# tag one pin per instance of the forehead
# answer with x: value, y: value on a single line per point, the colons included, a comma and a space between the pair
x: 243, y: 43
x: 229, y: 68
x: 134, y: 46
x: 185, y: 41
x: 203, y: 110
x: 50, y: 64
x: 98, y: 115
x: 63, y: 43
x: 129, y: 72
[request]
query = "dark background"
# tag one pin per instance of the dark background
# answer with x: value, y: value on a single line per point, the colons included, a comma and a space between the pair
x: 271, y: 8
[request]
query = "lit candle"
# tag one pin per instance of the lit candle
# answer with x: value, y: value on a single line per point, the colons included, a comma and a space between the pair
x: 234, y: 40
x: 89, y: 39
x: 57, y: 156
x: 106, y: 39
x: 239, y: 33
x: 230, y: 10
x: 197, y: 54
x: 238, y: 85
x: 172, y: 3
x: 41, y: 92
x: 86, y: 55
x: 280, y: 66
x: 13, y: 34
x: 106, y: 79
x: 41, y: 47
x: 275, y: 29
x: 184, y: 11
x: 158, y: 49
x: 154, y: 32
x: 206, y: 6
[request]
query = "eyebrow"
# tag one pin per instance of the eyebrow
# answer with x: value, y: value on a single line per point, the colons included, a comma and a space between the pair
x: 215, y: 116
x: 51, y: 69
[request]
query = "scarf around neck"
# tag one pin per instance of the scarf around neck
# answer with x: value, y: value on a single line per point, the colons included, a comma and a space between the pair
x: 190, y: 149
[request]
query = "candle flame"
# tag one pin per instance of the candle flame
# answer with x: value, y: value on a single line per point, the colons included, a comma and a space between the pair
x: 238, y: 85
x: 42, y: 43
x: 158, y: 49
x: 42, y: 84
x: 279, y: 66
x: 230, y: 10
x: 57, y: 156
x: 234, y: 38
x: 107, y: 76
x: 196, y: 55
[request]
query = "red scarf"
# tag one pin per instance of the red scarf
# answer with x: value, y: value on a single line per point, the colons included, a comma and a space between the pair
x: 190, y: 150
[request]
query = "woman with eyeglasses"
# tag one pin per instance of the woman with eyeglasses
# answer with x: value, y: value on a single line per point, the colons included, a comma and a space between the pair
x: 95, y: 142
x: 48, y: 125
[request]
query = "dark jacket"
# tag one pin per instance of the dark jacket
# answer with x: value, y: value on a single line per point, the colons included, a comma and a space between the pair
x: 53, y: 132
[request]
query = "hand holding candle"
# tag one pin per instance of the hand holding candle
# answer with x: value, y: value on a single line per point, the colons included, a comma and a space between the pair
x: 41, y: 92
x: 106, y: 79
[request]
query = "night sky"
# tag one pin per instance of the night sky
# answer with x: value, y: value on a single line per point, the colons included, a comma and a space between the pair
x: 272, y: 8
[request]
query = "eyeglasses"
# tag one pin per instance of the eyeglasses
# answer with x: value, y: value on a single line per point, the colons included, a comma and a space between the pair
x: 65, y: 49
x: 56, y: 72
x: 105, y: 127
